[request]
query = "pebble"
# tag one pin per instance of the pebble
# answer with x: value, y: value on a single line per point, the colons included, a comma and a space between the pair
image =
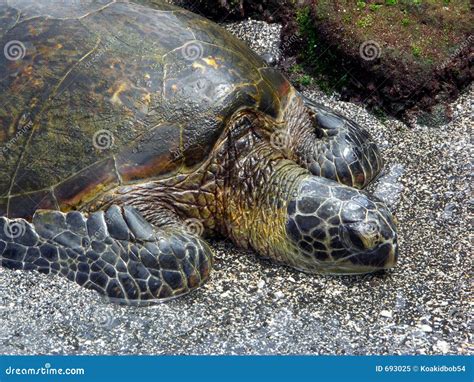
x: 279, y: 295
x: 443, y: 346
x: 426, y: 328
x: 386, y: 313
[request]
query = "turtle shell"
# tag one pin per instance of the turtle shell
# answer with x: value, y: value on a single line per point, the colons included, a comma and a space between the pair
x: 100, y: 93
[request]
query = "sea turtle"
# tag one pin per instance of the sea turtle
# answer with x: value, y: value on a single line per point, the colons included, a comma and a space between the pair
x: 132, y: 130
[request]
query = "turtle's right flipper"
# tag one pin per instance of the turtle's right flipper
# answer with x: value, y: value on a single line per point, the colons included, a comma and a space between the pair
x: 118, y: 253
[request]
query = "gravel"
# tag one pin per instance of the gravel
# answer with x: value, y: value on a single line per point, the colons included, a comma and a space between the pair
x: 252, y: 306
x: 260, y: 36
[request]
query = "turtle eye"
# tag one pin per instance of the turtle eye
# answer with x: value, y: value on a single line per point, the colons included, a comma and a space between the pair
x: 351, y: 238
x: 360, y: 235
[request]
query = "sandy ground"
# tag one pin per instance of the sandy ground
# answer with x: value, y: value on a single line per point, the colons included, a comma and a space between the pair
x: 252, y: 306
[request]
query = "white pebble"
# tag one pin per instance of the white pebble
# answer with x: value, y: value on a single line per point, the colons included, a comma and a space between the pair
x: 442, y: 346
x: 386, y: 313
x: 426, y: 328
x: 279, y: 295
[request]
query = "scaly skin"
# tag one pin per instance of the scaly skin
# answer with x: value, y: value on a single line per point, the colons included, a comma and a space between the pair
x: 328, y: 144
x: 277, y: 208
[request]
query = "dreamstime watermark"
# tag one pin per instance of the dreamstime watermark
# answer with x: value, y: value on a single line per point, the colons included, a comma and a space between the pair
x: 14, y: 50
x: 104, y: 319
x: 44, y: 370
x: 456, y: 53
x: 103, y: 139
x: 389, y: 186
x: 72, y: 2
x: 191, y: 142
x: 97, y: 56
x: 25, y: 124
x: 370, y: 50
x: 273, y: 57
x: 280, y: 140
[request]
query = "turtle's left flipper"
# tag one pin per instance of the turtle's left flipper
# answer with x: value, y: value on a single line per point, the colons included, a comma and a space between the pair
x: 118, y: 253
x: 343, y: 151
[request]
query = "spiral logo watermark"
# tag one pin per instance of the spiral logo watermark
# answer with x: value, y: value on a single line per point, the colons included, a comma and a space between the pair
x: 14, y: 50
x: 370, y: 50
x: 14, y: 229
x: 194, y: 226
x: 192, y: 51
x: 280, y: 140
x: 103, y: 139
x: 104, y: 319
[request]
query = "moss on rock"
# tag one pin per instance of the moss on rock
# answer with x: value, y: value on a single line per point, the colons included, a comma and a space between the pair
x: 389, y: 54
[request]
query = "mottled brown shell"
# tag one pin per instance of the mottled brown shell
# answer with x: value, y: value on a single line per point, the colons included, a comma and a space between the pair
x: 100, y: 93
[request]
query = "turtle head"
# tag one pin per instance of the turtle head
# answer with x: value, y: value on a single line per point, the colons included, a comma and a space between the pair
x: 338, y: 229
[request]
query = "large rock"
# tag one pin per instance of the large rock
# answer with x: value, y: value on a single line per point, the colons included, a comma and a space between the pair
x: 393, y: 54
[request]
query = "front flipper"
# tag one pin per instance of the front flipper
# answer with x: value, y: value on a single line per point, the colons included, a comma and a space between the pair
x: 117, y: 253
x: 342, y: 151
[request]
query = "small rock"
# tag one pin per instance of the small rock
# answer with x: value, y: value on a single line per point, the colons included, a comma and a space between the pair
x: 426, y: 328
x: 450, y: 212
x: 261, y: 284
x: 442, y: 346
x: 386, y: 313
x: 425, y: 320
x: 279, y: 295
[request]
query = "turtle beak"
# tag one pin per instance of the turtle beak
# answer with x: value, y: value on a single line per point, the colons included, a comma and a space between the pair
x: 393, y: 257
